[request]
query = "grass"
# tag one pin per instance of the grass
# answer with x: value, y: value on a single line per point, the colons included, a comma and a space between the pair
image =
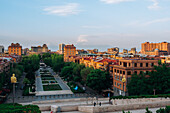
x: 47, y: 78
x: 52, y: 87
x: 44, y: 82
x: 49, y: 81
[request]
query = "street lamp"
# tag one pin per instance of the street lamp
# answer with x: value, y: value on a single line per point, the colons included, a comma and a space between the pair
x: 13, y: 81
x: 123, y: 80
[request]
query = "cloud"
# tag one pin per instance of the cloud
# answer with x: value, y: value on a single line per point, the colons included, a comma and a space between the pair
x: 115, y: 1
x: 82, y: 39
x: 68, y: 9
x: 147, y: 23
x: 155, y: 5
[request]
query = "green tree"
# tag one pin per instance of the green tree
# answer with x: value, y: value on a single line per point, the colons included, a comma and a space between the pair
x: 26, y: 81
x: 84, y: 72
x: 97, y: 80
x: 67, y: 72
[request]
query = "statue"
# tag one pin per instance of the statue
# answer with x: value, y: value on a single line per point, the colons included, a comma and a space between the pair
x: 13, y: 79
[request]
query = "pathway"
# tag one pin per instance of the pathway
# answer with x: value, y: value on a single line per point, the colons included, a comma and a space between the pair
x: 39, y: 86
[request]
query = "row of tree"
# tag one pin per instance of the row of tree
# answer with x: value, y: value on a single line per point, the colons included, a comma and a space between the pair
x: 94, y: 78
x: 31, y: 64
x: 158, y: 81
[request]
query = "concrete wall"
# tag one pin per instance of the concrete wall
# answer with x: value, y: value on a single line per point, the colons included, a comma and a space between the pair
x: 126, y: 105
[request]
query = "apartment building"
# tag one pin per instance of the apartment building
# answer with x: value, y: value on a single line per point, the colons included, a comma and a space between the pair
x: 15, y: 49
x: 69, y: 50
x: 127, y: 67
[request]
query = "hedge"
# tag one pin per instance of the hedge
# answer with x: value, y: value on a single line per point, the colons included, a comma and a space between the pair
x: 18, y: 108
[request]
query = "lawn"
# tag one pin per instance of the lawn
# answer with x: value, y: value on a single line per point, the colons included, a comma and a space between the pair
x: 52, y: 87
x: 45, y: 82
x: 47, y: 78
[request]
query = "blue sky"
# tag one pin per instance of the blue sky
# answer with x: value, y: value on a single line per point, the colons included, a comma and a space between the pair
x: 86, y: 23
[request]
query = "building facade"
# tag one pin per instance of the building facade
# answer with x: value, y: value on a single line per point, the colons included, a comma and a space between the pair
x: 113, y: 50
x: 1, y: 49
x: 69, y: 50
x: 39, y: 49
x: 61, y: 48
x: 125, y: 69
x: 162, y: 48
x: 15, y: 49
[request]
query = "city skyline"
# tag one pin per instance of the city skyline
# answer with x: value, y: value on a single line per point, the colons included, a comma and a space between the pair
x: 111, y: 23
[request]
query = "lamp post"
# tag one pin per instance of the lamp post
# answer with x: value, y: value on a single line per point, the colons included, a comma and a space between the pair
x: 13, y: 81
x: 123, y: 80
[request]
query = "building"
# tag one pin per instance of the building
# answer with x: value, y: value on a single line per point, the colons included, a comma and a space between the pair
x: 1, y: 49
x: 125, y: 69
x: 15, y: 49
x: 133, y: 51
x: 61, y: 48
x: 158, y: 49
x: 69, y: 50
x: 82, y: 51
x: 125, y: 51
x: 39, y: 49
x: 113, y: 50
x: 25, y: 51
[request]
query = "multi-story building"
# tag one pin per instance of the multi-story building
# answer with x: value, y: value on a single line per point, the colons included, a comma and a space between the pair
x: 39, y: 49
x: 133, y: 51
x: 69, y: 50
x: 113, y: 50
x: 158, y: 49
x: 15, y: 49
x: 125, y: 69
x: 125, y: 51
x: 1, y: 49
x: 61, y: 48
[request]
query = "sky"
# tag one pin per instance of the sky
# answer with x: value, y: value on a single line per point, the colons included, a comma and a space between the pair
x: 87, y: 24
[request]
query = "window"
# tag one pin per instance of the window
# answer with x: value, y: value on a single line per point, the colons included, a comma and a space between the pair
x: 120, y: 77
x: 146, y: 64
x: 120, y: 85
x: 129, y: 73
x: 147, y: 72
x: 141, y: 72
x: 152, y: 64
x: 135, y: 64
x: 115, y: 83
x: 117, y: 77
x: 129, y: 64
x: 120, y: 63
x: 120, y: 72
x: 124, y: 72
x: 117, y: 71
x: 124, y: 64
x: 135, y: 72
x: 141, y: 64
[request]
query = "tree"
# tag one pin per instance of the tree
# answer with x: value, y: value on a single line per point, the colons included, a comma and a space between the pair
x: 157, y: 80
x: 77, y: 69
x: 97, y: 80
x: 84, y: 72
x: 67, y: 72
x: 26, y: 81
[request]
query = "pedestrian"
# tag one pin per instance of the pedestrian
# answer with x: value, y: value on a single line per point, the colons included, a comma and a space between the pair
x: 100, y: 104
x: 94, y: 103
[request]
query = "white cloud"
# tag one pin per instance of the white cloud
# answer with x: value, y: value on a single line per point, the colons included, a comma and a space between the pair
x: 115, y: 1
x: 140, y: 23
x: 82, y: 39
x: 155, y: 5
x: 68, y: 9
x: 157, y: 21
